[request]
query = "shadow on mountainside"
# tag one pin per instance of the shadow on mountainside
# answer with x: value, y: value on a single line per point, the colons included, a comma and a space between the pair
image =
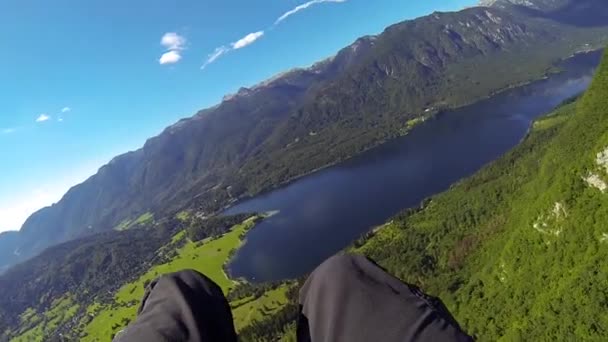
x: 579, y: 13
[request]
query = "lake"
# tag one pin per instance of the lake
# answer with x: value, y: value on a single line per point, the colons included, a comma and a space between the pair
x: 320, y: 214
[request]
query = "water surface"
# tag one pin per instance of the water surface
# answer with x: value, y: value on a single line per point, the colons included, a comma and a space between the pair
x: 322, y: 213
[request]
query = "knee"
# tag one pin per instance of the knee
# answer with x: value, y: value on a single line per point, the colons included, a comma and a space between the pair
x: 338, y: 262
x: 190, y: 278
x: 186, y: 275
x: 342, y: 266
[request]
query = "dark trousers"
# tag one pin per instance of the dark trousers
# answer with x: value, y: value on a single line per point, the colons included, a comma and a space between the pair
x: 347, y: 298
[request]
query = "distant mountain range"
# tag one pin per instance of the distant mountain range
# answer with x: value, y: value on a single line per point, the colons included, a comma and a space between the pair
x: 305, y: 119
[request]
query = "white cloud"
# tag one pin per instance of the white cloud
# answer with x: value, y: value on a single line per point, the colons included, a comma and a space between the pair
x: 239, y: 44
x: 60, y: 119
x: 43, y: 118
x: 173, y: 41
x: 8, y: 130
x: 175, y: 44
x: 303, y: 7
x: 66, y: 109
x: 170, y: 57
x: 247, y: 40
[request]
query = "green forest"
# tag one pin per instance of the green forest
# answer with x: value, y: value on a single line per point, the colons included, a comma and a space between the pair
x: 518, y: 251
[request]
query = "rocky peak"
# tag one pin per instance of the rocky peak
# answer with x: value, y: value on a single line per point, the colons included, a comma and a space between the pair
x: 545, y: 5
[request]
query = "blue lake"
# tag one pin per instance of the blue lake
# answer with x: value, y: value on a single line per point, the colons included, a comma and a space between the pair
x: 322, y: 213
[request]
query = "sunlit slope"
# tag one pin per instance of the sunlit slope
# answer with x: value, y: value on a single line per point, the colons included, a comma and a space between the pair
x: 519, y: 250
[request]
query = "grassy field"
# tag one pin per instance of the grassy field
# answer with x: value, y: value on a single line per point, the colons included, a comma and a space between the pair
x: 208, y: 257
x: 183, y: 216
x: 144, y: 219
x: 249, y: 310
x: 38, y: 326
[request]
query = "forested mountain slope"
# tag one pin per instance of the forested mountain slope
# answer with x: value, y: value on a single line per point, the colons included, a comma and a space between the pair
x: 518, y: 251
x: 309, y: 118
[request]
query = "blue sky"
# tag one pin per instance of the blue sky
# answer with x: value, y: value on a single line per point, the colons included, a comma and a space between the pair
x: 83, y: 81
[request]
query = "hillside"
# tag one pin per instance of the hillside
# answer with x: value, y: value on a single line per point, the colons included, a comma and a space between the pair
x: 518, y: 251
x: 309, y: 118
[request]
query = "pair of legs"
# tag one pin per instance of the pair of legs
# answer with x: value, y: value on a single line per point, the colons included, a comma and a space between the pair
x: 347, y: 298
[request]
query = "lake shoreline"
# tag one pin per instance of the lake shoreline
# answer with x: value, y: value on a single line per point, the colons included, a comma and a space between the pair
x: 432, y: 115
x: 323, y: 212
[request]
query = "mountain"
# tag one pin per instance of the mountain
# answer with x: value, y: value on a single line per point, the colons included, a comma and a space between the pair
x: 305, y: 119
x: 8, y: 241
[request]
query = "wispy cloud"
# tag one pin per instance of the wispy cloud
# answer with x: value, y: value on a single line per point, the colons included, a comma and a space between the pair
x: 239, y: 44
x: 66, y: 109
x: 301, y: 8
x: 43, y: 118
x: 219, y: 52
x: 175, y: 44
x: 255, y: 36
x: 8, y: 130
x: 247, y: 40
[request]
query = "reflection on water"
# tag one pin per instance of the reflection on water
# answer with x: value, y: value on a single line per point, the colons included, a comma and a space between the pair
x: 322, y: 213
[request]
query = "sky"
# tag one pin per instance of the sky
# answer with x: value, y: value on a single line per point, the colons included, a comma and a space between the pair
x: 84, y: 81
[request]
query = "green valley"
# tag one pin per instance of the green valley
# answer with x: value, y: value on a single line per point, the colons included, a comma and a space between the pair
x: 207, y: 257
x: 103, y: 318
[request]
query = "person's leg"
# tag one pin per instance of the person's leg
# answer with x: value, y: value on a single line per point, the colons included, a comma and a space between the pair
x: 183, y: 306
x: 349, y: 298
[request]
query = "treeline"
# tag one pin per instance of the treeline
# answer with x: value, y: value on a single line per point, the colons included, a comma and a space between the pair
x: 277, y: 325
x: 202, y: 228
x: 252, y: 290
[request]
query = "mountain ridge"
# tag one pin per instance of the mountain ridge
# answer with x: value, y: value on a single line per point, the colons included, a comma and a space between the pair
x: 306, y: 119
x: 536, y: 4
